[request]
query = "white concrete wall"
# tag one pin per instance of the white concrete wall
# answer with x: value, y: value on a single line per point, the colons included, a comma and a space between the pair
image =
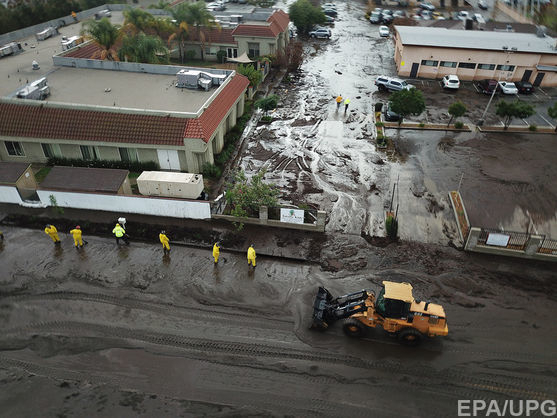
x: 9, y: 194
x: 129, y: 204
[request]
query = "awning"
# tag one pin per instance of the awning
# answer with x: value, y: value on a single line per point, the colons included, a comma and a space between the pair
x: 546, y: 68
x: 242, y: 59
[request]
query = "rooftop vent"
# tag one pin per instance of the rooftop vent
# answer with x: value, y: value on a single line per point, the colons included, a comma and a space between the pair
x: 193, y: 79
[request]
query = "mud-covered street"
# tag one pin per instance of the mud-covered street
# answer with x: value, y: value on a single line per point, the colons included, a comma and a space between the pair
x: 110, y: 331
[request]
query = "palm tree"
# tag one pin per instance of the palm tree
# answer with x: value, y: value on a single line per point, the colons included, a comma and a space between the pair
x: 160, y: 5
x: 143, y: 48
x: 137, y: 20
x: 198, y: 16
x: 180, y: 35
x: 105, y: 35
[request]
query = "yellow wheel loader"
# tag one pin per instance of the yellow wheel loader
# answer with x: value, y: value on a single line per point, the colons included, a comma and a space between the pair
x: 394, y: 309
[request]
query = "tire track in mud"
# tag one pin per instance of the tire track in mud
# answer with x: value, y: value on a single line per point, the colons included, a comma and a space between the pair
x: 161, y: 307
x: 449, y: 379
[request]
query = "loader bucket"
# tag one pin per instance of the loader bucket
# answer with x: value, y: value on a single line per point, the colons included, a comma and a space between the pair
x: 320, y: 309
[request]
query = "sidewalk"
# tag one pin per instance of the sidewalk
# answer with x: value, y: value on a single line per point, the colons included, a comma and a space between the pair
x: 270, y: 242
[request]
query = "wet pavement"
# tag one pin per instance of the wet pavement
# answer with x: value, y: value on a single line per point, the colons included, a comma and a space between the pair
x: 127, y: 331
x: 328, y: 158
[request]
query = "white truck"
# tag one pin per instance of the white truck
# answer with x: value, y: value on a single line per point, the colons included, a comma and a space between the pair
x: 71, y: 42
x: 47, y: 33
x: 9, y: 49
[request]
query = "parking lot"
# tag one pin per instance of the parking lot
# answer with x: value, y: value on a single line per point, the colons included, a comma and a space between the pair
x: 438, y: 101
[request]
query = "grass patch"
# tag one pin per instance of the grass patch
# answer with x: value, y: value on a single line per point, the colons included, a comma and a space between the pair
x: 42, y: 173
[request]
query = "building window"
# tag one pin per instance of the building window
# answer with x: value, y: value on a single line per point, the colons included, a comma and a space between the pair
x: 505, y: 67
x: 14, y: 148
x: 272, y: 48
x: 470, y: 65
x: 253, y: 50
x: 89, y: 153
x: 211, y: 50
x: 431, y: 63
x: 232, y: 52
x: 51, y: 150
x: 128, y: 154
x: 450, y: 64
x: 486, y: 66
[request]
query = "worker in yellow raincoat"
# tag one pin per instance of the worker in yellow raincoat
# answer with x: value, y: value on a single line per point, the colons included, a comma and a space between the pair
x: 120, y: 233
x: 251, y: 255
x: 52, y: 232
x: 76, y: 234
x: 216, y: 252
x: 164, y: 241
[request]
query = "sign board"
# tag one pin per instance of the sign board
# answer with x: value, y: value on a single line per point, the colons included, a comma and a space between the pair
x: 293, y: 216
x: 499, y: 240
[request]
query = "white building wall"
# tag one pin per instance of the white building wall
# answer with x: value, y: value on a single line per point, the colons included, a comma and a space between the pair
x: 129, y: 204
x: 9, y: 194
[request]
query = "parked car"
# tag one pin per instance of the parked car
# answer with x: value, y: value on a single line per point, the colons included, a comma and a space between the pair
x: 384, y: 31
x: 330, y: 12
x: 427, y: 6
x: 320, y: 33
x: 216, y: 6
x: 463, y: 15
x: 329, y: 6
x: 450, y: 82
x: 387, y: 19
x: 524, y: 87
x: 389, y: 115
x: 375, y: 17
x: 482, y: 4
x: 426, y: 15
x: 391, y: 83
x: 478, y: 18
x: 399, y: 13
x: 329, y: 20
x: 508, y: 87
x: 487, y: 86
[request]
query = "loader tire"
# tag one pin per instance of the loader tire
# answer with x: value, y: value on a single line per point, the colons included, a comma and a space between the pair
x: 354, y: 328
x: 410, y: 337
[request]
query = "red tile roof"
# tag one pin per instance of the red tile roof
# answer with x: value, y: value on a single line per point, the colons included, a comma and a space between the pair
x: 88, y: 50
x: 32, y: 121
x: 259, y: 31
x: 280, y: 18
x: 216, y: 36
x: 278, y: 22
x: 204, y: 126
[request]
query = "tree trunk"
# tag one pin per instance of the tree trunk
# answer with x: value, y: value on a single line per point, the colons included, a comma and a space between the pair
x: 450, y: 120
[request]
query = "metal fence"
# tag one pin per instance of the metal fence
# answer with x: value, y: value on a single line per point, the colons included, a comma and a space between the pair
x: 549, y: 246
x: 517, y: 240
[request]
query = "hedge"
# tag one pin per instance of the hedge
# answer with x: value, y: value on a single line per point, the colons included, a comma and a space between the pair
x: 134, y: 166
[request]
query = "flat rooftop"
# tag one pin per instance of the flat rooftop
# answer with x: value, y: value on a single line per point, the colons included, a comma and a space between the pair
x: 472, y: 39
x: 84, y: 179
x: 10, y: 172
x: 123, y: 89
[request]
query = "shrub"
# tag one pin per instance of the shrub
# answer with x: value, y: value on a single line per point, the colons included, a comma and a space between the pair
x: 421, y: 125
x: 266, y: 118
x: 123, y: 165
x: 379, y: 124
x: 221, y: 56
x: 392, y: 227
x: 211, y: 171
x: 380, y: 136
x: 190, y: 55
x: 459, y: 125
x: 378, y: 106
x: 533, y: 128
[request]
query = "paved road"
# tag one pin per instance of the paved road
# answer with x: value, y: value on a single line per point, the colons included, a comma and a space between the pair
x: 127, y: 332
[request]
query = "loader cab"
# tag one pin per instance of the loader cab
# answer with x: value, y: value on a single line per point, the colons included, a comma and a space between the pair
x: 394, y: 300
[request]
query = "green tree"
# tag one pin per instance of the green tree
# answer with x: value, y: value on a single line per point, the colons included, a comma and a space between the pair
x: 160, y: 5
x: 143, y: 48
x: 267, y: 103
x: 254, y: 76
x: 456, y: 110
x: 195, y: 15
x: 510, y: 110
x: 245, y: 196
x: 104, y: 34
x: 136, y: 20
x: 407, y: 102
x: 180, y: 35
x: 304, y: 16
x: 552, y: 112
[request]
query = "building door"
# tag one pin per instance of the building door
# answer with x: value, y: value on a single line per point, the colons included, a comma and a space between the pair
x: 526, y: 76
x: 414, y: 71
x: 538, y: 79
x: 168, y: 159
